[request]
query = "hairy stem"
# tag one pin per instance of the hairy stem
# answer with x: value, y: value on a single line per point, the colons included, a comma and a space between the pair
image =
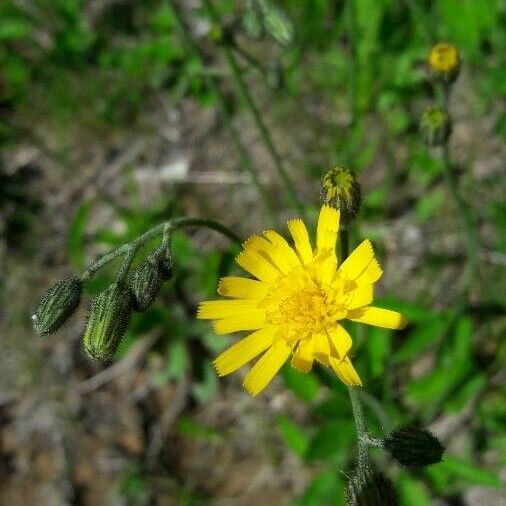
x: 164, y: 228
x: 356, y: 406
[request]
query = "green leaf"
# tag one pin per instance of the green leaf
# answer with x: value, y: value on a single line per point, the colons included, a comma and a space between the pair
x: 466, y: 392
x: 206, y: 389
x: 419, y: 340
x: 468, y: 472
x: 303, y: 385
x: 292, y: 435
x: 331, y: 441
x: 378, y: 349
x: 188, y: 427
x: 412, y: 492
x: 325, y: 489
x: 77, y: 230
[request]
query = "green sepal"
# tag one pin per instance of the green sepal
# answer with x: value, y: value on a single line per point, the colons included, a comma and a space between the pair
x: 56, y: 305
x: 414, y: 447
x: 107, y: 321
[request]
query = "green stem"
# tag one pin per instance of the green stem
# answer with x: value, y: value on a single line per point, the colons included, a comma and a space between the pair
x: 211, y: 81
x: 356, y: 406
x: 164, y: 228
x: 362, y: 436
x: 250, y: 104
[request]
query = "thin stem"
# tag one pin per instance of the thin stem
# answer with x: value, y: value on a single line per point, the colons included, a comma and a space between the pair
x: 362, y: 436
x: 356, y: 406
x: 211, y: 81
x: 250, y: 104
x: 164, y: 228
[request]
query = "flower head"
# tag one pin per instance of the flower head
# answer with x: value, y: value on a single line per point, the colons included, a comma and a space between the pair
x: 341, y: 190
x: 444, y: 61
x: 296, y: 304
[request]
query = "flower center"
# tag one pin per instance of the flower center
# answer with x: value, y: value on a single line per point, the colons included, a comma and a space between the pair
x: 302, y: 306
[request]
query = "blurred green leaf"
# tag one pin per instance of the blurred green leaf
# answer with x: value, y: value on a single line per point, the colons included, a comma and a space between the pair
x: 421, y: 338
x: 330, y: 441
x: 412, y: 492
x: 325, y: 489
x: 292, y: 435
x: 468, y: 472
x: 378, y: 349
x: 205, y: 390
x: 303, y: 385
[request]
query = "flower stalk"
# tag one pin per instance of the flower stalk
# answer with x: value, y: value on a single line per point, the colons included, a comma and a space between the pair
x: 257, y: 118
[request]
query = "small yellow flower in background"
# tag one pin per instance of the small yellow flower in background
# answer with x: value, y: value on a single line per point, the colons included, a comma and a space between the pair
x: 296, y: 303
x: 444, y: 61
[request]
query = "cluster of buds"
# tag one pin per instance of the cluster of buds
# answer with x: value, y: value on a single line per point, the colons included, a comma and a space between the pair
x: 110, y: 310
x: 444, y: 66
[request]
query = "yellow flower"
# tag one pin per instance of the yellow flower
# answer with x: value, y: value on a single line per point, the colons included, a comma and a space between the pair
x: 296, y: 303
x: 444, y: 60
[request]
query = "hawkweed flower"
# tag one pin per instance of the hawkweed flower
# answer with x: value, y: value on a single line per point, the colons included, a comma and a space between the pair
x: 297, y: 303
x: 444, y: 61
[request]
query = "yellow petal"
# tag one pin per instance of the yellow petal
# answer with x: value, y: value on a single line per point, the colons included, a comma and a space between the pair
x: 321, y: 346
x: 268, y: 251
x: 340, y: 341
x: 371, y: 273
x: 252, y: 321
x: 243, y: 351
x: 360, y: 297
x: 282, y: 245
x: 358, y: 261
x: 378, y: 317
x: 346, y: 372
x: 302, y: 359
x: 265, y: 369
x: 242, y: 288
x: 328, y: 225
x: 212, y: 309
x: 301, y: 239
x: 257, y: 265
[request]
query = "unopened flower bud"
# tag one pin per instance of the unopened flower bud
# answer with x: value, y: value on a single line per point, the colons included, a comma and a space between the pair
x: 341, y: 190
x: 145, y: 282
x: 107, y: 321
x: 57, y: 305
x: 370, y: 488
x: 165, y: 263
x: 444, y: 62
x: 276, y: 23
x: 435, y: 126
x: 414, y: 447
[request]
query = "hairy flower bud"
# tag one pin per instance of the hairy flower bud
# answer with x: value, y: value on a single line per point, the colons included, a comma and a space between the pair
x: 107, y: 321
x: 57, y: 305
x: 165, y: 263
x: 435, y: 126
x: 146, y: 281
x: 341, y: 190
x: 414, y: 447
x: 444, y: 62
x: 370, y: 488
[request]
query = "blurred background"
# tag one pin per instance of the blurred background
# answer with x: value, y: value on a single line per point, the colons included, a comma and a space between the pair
x: 117, y: 114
